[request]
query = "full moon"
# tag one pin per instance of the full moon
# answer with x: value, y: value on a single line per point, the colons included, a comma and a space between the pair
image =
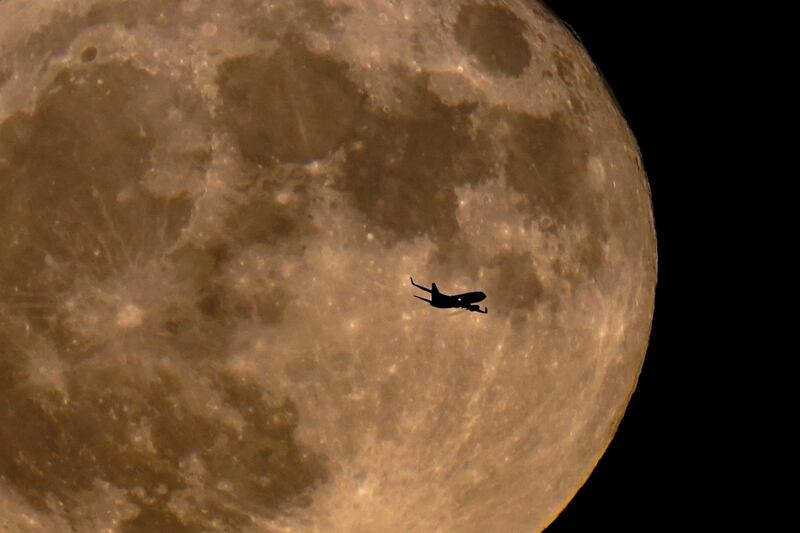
x: 209, y: 213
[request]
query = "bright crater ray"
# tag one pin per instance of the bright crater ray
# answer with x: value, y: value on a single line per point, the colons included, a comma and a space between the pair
x: 208, y: 215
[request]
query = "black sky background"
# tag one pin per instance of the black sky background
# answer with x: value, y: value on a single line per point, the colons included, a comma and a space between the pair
x: 656, y: 474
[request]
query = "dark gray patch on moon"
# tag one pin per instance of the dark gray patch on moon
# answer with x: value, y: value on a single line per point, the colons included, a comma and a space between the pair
x: 261, y: 222
x: 293, y: 106
x: 526, y: 291
x: 55, y: 37
x: 156, y: 12
x: 495, y: 37
x: 267, y: 307
x: 261, y: 219
x: 69, y: 187
x: 62, y: 449
x: 547, y: 163
x: 455, y: 257
x: 402, y: 171
x: 12, y: 359
x: 202, y: 329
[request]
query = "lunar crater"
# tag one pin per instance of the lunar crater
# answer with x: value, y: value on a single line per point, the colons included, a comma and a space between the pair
x: 274, y: 104
x: 89, y: 54
x: 495, y: 36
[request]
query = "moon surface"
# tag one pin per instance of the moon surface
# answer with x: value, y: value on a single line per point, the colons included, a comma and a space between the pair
x: 209, y: 211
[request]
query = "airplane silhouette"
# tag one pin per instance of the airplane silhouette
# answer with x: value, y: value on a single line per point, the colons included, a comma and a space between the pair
x: 444, y: 301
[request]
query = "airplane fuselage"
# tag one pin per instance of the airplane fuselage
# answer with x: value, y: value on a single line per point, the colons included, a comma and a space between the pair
x: 459, y: 300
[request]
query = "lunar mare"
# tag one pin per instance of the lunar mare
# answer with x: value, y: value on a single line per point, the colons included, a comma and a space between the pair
x: 208, y: 215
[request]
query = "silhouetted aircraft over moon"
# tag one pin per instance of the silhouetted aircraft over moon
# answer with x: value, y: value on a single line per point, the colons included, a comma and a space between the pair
x: 466, y: 300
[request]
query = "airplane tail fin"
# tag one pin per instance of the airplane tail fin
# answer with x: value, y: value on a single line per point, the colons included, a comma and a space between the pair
x: 434, y: 288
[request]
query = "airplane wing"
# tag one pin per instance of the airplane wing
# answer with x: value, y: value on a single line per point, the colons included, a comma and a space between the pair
x: 419, y: 286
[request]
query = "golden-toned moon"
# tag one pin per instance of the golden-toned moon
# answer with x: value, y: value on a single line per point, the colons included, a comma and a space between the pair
x: 209, y: 211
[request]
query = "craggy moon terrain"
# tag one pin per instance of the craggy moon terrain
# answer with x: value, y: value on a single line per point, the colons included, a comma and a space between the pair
x: 209, y: 211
